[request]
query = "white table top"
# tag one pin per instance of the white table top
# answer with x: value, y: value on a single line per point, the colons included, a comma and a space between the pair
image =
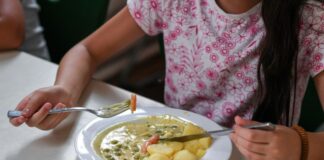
x: 20, y: 74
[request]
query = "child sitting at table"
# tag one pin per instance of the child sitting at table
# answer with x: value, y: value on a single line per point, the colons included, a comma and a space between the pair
x: 235, y: 62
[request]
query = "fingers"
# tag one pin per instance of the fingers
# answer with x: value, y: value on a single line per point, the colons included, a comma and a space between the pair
x: 253, y: 135
x: 29, y: 105
x: 40, y: 115
x: 259, y: 148
x: 240, y: 121
x: 22, y: 104
x: 18, y: 121
x: 252, y: 143
x: 35, y: 108
x: 51, y: 121
x: 250, y: 155
x: 34, y: 103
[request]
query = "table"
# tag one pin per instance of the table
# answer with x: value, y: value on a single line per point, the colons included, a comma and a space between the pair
x: 20, y: 74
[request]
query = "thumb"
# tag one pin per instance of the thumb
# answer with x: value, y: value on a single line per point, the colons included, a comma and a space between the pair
x: 242, y: 122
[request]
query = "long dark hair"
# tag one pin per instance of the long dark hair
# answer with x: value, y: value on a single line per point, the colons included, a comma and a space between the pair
x: 278, y: 60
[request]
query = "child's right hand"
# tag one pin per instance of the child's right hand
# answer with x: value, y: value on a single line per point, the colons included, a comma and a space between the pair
x: 36, y: 106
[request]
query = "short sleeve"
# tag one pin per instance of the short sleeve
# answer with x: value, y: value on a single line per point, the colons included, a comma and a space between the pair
x: 313, y: 41
x: 147, y: 14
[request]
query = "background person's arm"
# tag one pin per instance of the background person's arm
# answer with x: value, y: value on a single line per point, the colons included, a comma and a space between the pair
x: 11, y: 24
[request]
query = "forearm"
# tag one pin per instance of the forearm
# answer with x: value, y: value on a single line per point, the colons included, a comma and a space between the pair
x: 316, y: 144
x: 81, y: 61
x: 75, y: 71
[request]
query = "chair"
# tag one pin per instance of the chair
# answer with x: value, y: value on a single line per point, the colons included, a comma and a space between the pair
x: 66, y: 22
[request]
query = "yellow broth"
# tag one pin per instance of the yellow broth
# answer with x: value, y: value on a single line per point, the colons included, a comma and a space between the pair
x: 123, y: 141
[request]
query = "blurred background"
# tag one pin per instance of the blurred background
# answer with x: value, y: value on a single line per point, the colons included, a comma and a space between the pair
x: 139, y: 68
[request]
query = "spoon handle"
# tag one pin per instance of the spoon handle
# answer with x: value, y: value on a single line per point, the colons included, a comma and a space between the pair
x: 15, y: 113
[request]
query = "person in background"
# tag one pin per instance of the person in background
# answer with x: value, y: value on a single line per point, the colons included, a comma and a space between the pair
x: 20, y: 28
x: 11, y: 24
x: 235, y: 62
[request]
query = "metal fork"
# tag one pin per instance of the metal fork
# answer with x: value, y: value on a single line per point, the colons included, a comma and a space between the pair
x: 103, y: 112
x: 262, y: 126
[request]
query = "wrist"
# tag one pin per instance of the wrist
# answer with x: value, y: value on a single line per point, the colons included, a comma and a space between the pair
x: 316, y: 141
x: 70, y: 94
x: 303, y: 136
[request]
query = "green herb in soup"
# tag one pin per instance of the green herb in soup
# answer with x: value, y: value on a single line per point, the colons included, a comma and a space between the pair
x: 123, y: 141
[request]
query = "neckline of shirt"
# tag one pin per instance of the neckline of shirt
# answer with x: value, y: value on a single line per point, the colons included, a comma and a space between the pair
x: 252, y: 10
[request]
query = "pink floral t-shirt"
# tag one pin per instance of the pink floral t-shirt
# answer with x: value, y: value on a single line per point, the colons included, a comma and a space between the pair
x: 211, y: 63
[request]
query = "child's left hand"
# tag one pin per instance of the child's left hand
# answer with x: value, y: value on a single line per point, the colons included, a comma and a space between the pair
x: 281, y: 144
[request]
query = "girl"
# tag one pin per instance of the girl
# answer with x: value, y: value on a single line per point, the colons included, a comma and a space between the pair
x: 225, y: 59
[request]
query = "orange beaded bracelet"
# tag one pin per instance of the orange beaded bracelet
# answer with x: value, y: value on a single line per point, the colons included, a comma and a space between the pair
x: 304, y: 141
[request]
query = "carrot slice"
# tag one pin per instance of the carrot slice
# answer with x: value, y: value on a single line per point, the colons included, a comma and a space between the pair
x: 152, y: 140
x: 133, y: 103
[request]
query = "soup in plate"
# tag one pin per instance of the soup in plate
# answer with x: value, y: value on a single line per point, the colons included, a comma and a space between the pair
x: 124, y: 141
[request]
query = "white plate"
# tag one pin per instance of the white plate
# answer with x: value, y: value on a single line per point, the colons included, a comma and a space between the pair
x: 221, y: 148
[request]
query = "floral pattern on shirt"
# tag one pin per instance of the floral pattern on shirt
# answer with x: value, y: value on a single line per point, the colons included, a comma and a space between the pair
x: 211, y: 62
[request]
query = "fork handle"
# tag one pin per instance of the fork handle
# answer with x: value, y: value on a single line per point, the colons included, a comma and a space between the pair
x: 66, y: 109
x: 15, y: 113
x: 262, y: 126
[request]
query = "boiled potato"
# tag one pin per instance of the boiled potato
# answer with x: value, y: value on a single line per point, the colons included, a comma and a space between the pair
x: 192, y: 146
x: 185, y: 155
x: 158, y: 156
x: 176, y: 146
x: 160, y: 148
x: 200, y: 153
x: 191, y: 129
x: 205, y: 142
